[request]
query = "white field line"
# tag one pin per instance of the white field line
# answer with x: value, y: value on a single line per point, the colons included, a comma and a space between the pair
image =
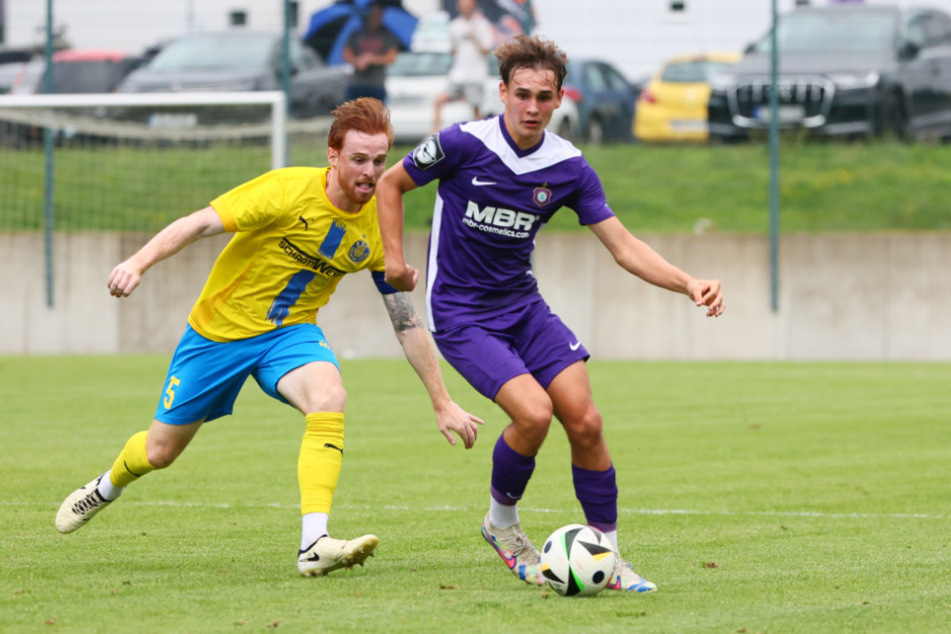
x: 529, y: 509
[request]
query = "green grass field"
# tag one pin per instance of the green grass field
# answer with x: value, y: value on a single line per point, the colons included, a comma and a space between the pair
x: 760, y: 497
x: 859, y: 187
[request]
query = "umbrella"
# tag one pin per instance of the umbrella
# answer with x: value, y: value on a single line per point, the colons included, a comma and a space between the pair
x: 330, y: 28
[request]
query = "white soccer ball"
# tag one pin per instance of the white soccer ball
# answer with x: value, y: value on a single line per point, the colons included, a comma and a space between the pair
x: 577, y: 560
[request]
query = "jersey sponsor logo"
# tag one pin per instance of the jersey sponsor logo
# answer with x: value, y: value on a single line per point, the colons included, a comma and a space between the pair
x: 359, y: 252
x: 479, y: 183
x: 500, y: 221
x: 541, y: 196
x: 310, y: 261
x: 428, y: 153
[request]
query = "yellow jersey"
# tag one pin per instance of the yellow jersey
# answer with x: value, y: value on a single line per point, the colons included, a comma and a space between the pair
x: 290, y: 249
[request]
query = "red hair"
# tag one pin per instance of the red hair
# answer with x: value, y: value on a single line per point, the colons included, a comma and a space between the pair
x: 366, y: 114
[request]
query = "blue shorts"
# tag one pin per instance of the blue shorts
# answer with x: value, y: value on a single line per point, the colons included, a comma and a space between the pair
x: 529, y: 340
x: 205, y: 376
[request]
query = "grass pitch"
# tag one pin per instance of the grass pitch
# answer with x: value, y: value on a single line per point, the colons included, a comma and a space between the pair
x: 760, y: 498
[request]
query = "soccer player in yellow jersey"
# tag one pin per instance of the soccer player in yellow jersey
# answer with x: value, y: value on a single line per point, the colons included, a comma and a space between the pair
x: 297, y: 231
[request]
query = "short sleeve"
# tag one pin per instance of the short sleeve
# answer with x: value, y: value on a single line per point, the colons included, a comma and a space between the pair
x: 253, y: 204
x: 433, y: 158
x: 589, y: 200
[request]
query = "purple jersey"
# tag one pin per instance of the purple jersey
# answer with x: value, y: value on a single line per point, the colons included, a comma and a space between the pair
x: 492, y: 199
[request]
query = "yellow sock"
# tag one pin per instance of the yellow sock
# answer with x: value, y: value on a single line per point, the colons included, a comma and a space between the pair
x: 132, y: 463
x: 318, y: 467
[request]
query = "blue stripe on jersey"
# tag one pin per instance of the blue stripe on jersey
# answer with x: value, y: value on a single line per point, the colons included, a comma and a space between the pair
x: 328, y: 248
x: 281, y: 306
x: 379, y: 278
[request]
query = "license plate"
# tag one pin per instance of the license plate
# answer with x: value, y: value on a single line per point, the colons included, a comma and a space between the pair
x: 784, y: 114
x: 173, y: 120
x: 689, y: 126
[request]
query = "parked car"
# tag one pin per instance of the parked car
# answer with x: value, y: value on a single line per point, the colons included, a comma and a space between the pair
x: 597, y: 107
x: 415, y: 79
x: 843, y: 70
x: 673, y: 104
x: 604, y: 98
x: 240, y: 60
x: 73, y: 71
x: 14, y: 67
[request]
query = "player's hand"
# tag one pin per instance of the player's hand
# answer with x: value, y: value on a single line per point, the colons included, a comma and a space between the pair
x: 123, y: 279
x: 402, y: 279
x: 707, y: 293
x: 453, y: 418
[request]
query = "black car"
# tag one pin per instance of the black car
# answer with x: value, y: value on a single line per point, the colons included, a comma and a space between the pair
x: 853, y: 70
x: 241, y: 60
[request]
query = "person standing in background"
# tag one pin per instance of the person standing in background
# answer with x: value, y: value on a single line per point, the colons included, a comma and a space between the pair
x: 471, y: 40
x: 370, y: 50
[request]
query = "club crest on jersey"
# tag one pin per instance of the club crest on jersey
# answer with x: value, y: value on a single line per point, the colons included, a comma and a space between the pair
x: 359, y: 251
x: 428, y: 153
x: 541, y: 196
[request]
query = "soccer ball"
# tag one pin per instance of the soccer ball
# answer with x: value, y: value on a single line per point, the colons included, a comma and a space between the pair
x: 577, y: 560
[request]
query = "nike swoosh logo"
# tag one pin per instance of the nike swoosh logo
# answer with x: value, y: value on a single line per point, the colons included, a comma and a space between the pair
x: 478, y: 183
x: 574, y: 346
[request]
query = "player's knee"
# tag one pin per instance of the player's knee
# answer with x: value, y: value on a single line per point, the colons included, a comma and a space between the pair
x: 329, y: 398
x: 585, y: 430
x: 162, y: 455
x: 536, y: 420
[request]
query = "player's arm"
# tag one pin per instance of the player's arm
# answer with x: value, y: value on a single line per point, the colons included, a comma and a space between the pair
x: 638, y: 258
x: 389, y: 204
x: 421, y: 354
x: 166, y: 243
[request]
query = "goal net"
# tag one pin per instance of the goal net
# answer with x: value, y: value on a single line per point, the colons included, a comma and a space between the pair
x: 134, y: 162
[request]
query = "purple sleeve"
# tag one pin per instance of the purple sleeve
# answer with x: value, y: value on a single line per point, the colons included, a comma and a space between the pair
x: 430, y: 160
x: 588, y: 200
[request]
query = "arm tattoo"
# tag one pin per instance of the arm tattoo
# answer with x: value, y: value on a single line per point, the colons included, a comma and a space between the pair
x: 402, y: 313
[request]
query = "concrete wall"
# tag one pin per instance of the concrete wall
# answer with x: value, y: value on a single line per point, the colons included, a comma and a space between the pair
x: 842, y: 297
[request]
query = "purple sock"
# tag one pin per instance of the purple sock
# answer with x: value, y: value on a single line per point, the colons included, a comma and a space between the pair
x: 597, y: 492
x: 511, y: 472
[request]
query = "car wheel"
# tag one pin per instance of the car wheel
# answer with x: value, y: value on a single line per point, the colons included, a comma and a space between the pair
x: 595, y: 132
x: 895, y: 118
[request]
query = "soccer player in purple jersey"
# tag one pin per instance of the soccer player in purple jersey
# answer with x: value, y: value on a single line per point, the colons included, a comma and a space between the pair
x: 500, y: 180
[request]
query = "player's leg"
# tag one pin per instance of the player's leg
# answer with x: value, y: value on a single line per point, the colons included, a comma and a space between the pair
x: 513, y: 462
x: 303, y: 373
x: 490, y: 364
x: 593, y: 473
x: 144, y: 452
x: 203, y: 380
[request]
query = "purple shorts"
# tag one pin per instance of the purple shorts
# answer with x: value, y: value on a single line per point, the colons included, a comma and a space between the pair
x: 529, y: 340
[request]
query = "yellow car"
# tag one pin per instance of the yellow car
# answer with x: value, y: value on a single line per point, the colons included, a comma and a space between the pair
x: 673, y: 104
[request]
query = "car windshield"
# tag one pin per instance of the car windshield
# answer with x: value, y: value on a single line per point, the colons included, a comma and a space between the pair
x: 234, y: 50
x: 87, y: 77
x: 835, y: 31
x: 420, y: 65
x: 692, y: 71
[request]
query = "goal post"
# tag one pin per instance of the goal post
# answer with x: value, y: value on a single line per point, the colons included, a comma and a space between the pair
x: 275, y: 99
x: 129, y: 163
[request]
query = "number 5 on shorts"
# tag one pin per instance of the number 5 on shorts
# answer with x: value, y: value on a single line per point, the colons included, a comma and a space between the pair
x: 170, y: 392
